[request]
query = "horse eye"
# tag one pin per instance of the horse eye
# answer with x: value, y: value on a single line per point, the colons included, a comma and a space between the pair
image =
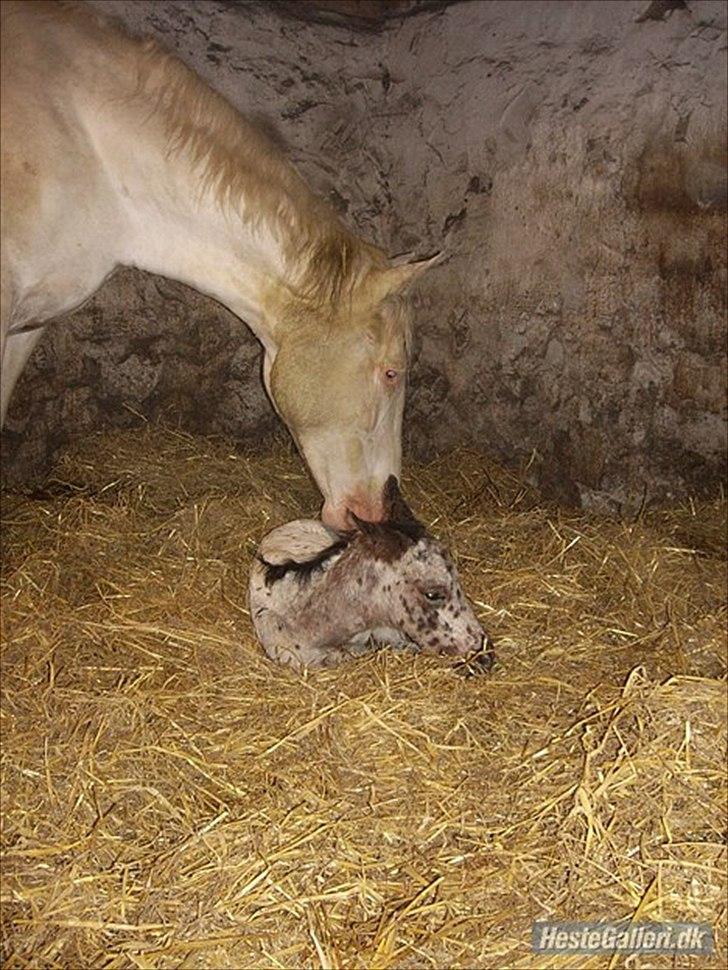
x: 434, y: 595
x: 391, y: 374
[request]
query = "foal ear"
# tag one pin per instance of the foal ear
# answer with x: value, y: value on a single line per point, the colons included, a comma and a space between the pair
x: 395, y: 506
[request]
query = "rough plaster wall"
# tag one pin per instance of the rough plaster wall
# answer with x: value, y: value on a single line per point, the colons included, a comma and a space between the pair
x: 569, y: 158
x: 573, y: 158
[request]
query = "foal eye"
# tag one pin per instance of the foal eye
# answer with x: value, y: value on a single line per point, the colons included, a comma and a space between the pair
x: 434, y: 596
x: 391, y: 374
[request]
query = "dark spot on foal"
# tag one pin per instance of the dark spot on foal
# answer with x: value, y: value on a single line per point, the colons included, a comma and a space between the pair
x: 406, y: 606
x: 430, y: 619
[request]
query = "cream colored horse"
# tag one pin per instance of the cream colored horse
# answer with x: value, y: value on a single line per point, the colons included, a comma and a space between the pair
x: 114, y: 153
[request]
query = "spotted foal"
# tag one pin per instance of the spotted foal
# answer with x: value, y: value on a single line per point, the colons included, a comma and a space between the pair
x: 317, y: 596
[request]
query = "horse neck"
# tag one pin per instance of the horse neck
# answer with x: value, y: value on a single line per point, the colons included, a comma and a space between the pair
x: 241, y: 247
x: 183, y: 233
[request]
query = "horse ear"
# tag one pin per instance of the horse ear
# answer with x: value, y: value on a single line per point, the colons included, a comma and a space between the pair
x: 396, y: 508
x: 401, y: 272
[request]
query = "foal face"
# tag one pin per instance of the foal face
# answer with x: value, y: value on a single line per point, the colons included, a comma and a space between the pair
x: 414, y: 584
x: 427, y: 602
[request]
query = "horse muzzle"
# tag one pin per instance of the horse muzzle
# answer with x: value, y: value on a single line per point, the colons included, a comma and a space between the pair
x: 338, y: 516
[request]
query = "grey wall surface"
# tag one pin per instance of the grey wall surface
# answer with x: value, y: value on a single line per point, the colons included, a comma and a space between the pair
x: 568, y: 156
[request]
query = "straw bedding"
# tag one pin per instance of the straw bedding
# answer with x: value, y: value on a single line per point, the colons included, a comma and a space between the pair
x: 171, y: 799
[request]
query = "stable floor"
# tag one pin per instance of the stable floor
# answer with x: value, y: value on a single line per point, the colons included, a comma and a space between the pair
x: 172, y: 799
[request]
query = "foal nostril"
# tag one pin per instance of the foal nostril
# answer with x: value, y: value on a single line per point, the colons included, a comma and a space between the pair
x: 480, y: 661
x: 486, y: 653
x: 484, y: 657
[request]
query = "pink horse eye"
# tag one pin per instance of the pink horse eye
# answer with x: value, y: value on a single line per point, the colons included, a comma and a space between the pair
x: 391, y: 374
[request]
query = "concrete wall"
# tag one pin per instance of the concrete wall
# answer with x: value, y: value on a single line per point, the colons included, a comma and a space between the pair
x: 570, y: 159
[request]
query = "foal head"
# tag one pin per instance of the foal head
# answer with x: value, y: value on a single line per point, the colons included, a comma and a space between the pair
x: 337, y: 378
x: 414, y: 582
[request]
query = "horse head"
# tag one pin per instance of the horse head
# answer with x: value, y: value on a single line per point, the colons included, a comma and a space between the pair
x: 338, y: 381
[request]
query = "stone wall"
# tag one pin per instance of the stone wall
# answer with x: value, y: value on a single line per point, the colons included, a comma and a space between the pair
x: 144, y: 348
x: 569, y: 157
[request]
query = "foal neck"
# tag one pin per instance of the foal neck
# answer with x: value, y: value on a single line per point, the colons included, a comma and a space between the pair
x: 345, y: 599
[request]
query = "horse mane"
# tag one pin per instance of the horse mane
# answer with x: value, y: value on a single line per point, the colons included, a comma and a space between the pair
x: 244, y: 169
x: 237, y: 162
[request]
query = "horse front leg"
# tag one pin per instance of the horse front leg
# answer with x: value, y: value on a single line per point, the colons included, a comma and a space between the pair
x: 16, y: 350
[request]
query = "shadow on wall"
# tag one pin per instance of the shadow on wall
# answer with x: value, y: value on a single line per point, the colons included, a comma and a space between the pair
x: 587, y: 330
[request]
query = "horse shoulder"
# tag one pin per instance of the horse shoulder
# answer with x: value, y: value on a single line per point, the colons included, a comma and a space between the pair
x: 62, y: 219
